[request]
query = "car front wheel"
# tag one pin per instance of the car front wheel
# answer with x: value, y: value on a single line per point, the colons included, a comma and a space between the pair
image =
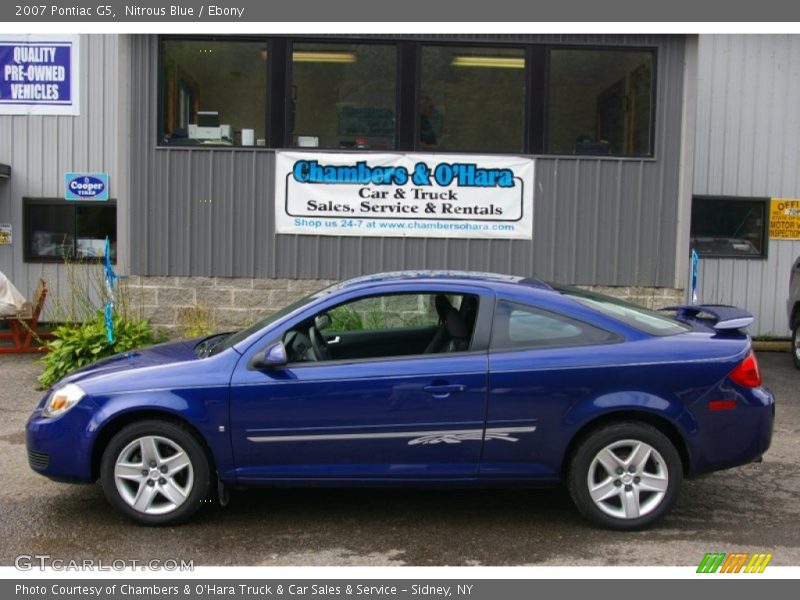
x: 625, y: 475
x: 796, y: 344
x: 155, y: 472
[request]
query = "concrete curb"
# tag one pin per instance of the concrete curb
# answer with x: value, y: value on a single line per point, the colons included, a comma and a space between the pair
x: 772, y: 345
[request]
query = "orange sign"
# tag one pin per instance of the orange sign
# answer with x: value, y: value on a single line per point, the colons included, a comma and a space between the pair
x: 784, y: 219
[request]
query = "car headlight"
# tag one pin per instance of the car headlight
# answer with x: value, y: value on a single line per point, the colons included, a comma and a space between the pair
x: 62, y: 399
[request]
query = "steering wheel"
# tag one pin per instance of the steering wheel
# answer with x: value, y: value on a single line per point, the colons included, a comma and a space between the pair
x: 319, y: 344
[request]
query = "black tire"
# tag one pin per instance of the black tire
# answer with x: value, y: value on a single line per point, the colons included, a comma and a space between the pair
x: 796, y: 344
x: 193, y: 479
x: 663, y: 465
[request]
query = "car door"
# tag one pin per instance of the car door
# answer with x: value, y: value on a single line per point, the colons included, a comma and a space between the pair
x: 415, y: 416
x: 541, y: 363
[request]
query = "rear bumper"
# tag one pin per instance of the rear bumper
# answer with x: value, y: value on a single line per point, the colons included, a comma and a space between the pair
x: 736, y: 437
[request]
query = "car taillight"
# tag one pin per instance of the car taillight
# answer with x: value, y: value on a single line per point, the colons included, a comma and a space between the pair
x: 746, y: 372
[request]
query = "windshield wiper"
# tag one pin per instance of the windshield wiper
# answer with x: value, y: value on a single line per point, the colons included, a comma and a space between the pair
x: 206, y: 348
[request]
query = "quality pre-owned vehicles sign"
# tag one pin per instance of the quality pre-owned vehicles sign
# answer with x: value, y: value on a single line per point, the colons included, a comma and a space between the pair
x: 39, y: 74
x: 404, y: 195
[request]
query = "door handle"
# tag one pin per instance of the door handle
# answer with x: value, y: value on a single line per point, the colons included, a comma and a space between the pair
x: 444, y: 390
x: 334, y: 340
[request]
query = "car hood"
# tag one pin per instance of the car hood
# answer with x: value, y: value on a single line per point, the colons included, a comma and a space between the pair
x: 154, y: 356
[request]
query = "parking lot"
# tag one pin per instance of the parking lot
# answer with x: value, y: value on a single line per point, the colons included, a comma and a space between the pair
x: 751, y: 508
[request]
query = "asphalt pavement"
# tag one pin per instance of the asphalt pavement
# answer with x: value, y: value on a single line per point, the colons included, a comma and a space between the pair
x: 754, y: 508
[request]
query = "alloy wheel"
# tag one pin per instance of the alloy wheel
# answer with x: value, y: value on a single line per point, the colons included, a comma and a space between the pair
x: 628, y: 479
x: 153, y: 475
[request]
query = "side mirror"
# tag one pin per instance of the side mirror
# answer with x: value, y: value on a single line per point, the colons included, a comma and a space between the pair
x: 271, y: 357
x: 322, y: 321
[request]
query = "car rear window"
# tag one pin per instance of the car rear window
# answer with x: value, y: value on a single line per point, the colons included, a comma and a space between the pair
x: 643, y: 319
x: 523, y: 326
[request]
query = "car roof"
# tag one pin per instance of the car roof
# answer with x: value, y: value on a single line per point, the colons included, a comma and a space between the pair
x: 448, y: 276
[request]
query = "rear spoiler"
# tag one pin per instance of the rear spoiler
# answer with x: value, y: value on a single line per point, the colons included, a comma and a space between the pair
x: 722, y: 317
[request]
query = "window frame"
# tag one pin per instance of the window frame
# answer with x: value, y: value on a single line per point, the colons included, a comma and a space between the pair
x: 765, y: 202
x: 408, y: 78
x: 27, y: 202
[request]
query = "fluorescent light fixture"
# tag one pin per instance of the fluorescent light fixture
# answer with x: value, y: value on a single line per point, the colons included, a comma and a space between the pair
x: 324, y: 57
x: 489, y: 62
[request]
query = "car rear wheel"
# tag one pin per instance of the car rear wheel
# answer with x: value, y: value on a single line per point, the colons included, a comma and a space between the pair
x: 625, y: 475
x: 796, y: 344
x: 155, y: 472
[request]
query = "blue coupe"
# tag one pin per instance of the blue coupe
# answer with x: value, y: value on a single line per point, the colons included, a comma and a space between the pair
x: 420, y: 378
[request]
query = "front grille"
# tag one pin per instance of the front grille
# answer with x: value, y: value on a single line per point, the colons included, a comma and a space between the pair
x: 38, y: 460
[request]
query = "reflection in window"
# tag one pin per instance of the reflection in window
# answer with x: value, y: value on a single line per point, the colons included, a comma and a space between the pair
x: 731, y: 227
x: 214, y: 92
x: 92, y: 224
x: 343, y: 96
x: 57, y: 230
x: 599, y: 102
x: 472, y: 99
x: 51, y: 231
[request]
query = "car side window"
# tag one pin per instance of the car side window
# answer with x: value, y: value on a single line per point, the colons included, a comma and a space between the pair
x: 386, y: 312
x: 385, y: 326
x: 522, y: 326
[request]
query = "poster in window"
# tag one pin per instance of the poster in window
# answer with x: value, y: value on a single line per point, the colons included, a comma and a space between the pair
x: 5, y: 234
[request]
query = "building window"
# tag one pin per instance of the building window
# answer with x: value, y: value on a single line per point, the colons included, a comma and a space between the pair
x: 472, y: 99
x: 343, y: 96
x: 600, y: 101
x: 730, y: 227
x: 407, y: 95
x: 57, y: 229
x: 214, y: 92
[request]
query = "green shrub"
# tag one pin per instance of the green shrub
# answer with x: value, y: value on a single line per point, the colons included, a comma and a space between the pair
x: 76, y: 345
x: 344, y: 318
x: 196, y: 321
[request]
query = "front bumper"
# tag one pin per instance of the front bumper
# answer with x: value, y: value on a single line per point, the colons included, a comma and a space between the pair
x: 61, y: 448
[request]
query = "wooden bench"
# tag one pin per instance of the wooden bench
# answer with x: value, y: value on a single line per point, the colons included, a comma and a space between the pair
x: 22, y: 327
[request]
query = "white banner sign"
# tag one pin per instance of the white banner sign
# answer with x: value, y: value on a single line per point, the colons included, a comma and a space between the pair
x: 404, y: 195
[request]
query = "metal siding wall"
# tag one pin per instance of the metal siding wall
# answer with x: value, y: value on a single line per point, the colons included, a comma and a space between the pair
x: 596, y: 221
x: 40, y: 149
x: 748, y: 144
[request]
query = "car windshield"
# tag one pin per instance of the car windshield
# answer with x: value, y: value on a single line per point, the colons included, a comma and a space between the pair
x: 235, y: 338
x: 643, y: 319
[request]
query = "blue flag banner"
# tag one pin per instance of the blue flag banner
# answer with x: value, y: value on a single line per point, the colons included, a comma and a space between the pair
x: 111, y: 281
x: 693, y: 285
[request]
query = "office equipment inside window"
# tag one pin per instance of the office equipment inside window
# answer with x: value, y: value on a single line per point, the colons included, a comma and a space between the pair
x: 215, y: 93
